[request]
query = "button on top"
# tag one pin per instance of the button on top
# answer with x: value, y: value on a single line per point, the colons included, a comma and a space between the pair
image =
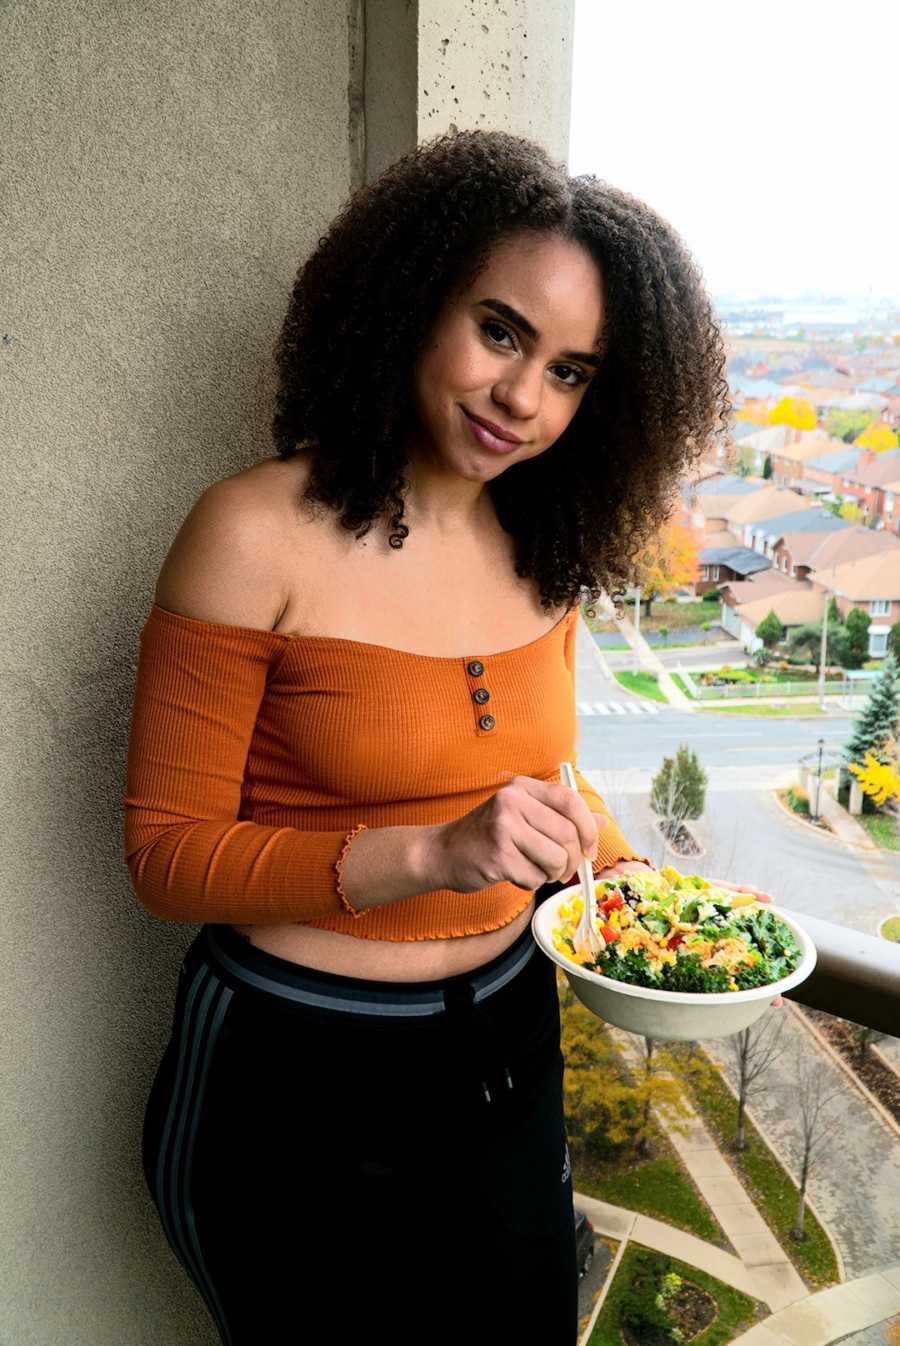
x: 476, y: 668
x: 481, y: 694
x: 487, y: 721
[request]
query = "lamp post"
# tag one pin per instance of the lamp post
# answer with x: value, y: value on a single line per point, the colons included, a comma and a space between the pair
x: 819, y: 779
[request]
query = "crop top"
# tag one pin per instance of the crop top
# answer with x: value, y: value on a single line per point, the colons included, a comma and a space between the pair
x: 255, y: 757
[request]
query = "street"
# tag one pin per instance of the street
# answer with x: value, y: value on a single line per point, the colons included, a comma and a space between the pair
x: 746, y: 835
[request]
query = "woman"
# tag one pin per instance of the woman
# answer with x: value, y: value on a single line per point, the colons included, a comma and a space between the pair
x: 354, y: 691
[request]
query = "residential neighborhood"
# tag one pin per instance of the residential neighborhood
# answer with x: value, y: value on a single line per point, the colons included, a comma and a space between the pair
x: 787, y: 517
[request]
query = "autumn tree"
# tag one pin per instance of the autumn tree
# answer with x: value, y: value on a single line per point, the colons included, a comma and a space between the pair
x: 669, y: 562
x: 794, y: 411
x: 877, y: 436
x: 606, y: 1108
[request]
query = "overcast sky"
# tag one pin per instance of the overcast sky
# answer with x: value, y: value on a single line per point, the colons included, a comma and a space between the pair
x: 765, y: 133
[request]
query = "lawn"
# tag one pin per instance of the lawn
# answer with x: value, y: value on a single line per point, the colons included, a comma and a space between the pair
x: 736, y: 1310
x: 643, y: 684
x: 882, y: 829
x: 799, y: 708
x: 671, y: 615
x: 659, y: 1186
x: 771, y: 1188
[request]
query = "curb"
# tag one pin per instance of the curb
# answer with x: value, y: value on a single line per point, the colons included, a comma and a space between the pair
x: 881, y: 1112
x: 607, y: 1285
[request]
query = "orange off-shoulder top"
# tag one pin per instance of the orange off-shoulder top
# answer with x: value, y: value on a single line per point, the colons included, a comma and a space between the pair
x: 255, y: 757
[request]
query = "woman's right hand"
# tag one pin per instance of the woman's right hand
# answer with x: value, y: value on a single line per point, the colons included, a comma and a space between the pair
x: 529, y: 833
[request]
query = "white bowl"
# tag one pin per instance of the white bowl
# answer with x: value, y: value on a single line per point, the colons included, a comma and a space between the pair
x: 683, y: 1016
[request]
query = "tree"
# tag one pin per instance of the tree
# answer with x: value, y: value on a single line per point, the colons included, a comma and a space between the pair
x: 767, y: 467
x: 753, y: 1050
x: 846, y: 425
x: 857, y: 625
x: 670, y: 561
x: 876, y: 723
x: 878, y: 780
x: 678, y: 790
x: 795, y: 411
x: 893, y: 640
x: 770, y: 630
x: 605, y: 1108
x: 851, y: 511
x: 877, y: 436
x: 807, y: 640
x: 834, y: 612
x: 814, y: 1098
x: 864, y: 1038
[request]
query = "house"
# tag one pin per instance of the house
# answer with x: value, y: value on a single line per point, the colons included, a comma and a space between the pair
x: 754, y: 443
x: 795, y: 554
x: 719, y: 565
x: 872, y: 584
x: 793, y: 607
x: 788, y: 462
x: 867, y: 483
x: 710, y: 500
x: 830, y: 468
x: 764, y: 534
x: 765, y: 584
x: 766, y: 502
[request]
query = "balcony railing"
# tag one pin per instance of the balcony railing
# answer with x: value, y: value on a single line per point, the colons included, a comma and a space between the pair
x: 857, y: 976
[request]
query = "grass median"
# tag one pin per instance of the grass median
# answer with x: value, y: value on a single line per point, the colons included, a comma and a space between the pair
x: 771, y: 1188
x: 642, y: 684
x: 735, y: 1311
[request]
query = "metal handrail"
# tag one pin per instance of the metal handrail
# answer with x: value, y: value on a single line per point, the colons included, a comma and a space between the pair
x: 856, y: 977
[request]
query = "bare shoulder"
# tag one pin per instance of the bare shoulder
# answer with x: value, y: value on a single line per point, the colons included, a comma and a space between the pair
x: 226, y: 563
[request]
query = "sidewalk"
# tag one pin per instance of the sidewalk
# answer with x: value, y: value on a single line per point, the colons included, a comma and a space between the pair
x: 763, y: 1260
x: 649, y: 660
x: 830, y: 1314
x: 843, y: 824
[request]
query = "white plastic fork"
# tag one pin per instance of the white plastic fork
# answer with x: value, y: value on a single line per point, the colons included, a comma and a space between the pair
x: 586, y: 934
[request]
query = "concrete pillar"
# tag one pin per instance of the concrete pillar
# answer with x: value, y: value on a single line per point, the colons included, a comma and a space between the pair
x: 856, y: 798
x: 433, y: 64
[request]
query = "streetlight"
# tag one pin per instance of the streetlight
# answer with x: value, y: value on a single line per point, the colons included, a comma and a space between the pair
x: 818, y: 780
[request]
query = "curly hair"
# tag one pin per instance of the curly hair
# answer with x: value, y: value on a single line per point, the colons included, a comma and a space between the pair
x: 581, y: 512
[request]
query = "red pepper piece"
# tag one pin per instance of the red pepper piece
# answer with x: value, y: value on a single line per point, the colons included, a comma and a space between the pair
x: 677, y: 938
x: 613, y: 903
x: 610, y: 934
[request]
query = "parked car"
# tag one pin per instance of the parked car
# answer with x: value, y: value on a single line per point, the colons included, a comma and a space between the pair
x: 584, y: 1242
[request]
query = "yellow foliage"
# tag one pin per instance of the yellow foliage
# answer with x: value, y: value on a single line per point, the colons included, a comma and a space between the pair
x: 670, y: 560
x: 850, y: 511
x: 877, y: 436
x: 879, y: 780
x: 795, y: 411
x: 598, y: 1088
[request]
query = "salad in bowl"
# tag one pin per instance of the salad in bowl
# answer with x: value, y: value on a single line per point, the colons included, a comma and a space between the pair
x: 677, y: 957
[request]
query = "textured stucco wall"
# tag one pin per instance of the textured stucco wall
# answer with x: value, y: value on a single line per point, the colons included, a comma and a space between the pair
x: 436, y: 63
x: 163, y: 169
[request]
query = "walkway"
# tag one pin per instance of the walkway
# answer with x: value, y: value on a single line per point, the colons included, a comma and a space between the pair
x: 650, y: 660
x: 765, y: 1265
x: 830, y: 1314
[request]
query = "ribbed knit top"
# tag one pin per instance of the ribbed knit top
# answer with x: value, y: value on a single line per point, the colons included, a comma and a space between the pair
x: 255, y: 757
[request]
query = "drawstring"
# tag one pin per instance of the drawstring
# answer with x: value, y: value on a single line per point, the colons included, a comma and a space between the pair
x: 479, y: 1034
